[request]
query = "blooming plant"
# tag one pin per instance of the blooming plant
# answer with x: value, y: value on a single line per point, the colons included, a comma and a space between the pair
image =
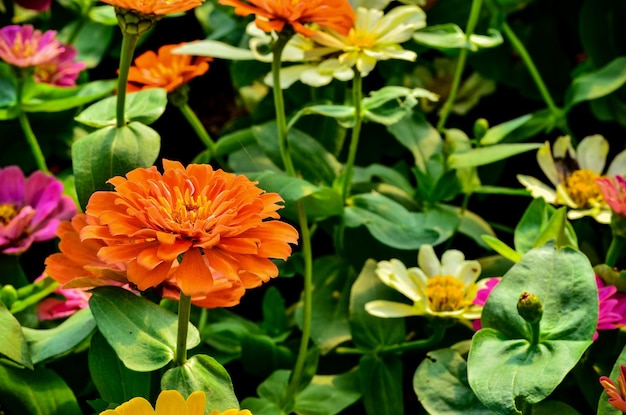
x: 252, y: 251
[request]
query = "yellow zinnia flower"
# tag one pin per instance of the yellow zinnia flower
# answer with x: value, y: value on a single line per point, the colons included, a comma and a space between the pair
x: 440, y: 289
x: 573, y: 173
x: 170, y: 402
x: 375, y: 36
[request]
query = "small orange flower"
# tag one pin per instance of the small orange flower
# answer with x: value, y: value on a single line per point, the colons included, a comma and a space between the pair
x: 273, y: 15
x: 155, y: 7
x: 617, y: 393
x: 214, y: 225
x: 78, y: 264
x: 165, y: 69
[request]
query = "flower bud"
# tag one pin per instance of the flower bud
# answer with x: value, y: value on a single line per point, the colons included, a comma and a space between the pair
x: 133, y: 22
x: 529, y: 307
x: 8, y: 295
x: 481, y: 126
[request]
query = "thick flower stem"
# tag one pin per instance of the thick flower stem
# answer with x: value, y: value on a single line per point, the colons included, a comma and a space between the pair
x: 184, y: 311
x: 357, y: 96
x: 31, y: 139
x: 128, y: 48
x: 534, y: 327
x: 617, y: 243
x: 279, y: 105
x: 460, y: 64
x: 532, y: 69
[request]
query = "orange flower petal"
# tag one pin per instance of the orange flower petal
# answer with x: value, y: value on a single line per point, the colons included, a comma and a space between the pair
x: 193, y: 275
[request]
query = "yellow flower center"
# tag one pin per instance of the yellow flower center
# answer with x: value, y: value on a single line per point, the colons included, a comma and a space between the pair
x: 190, y: 209
x: 7, y: 212
x: 362, y: 38
x: 445, y: 293
x: 581, y: 186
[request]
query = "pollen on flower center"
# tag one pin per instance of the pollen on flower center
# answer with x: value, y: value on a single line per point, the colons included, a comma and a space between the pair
x: 190, y: 209
x: 362, y: 39
x: 7, y: 212
x: 582, y: 188
x: 445, y: 293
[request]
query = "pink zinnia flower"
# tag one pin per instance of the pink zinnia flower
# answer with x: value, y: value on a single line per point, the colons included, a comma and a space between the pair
x: 617, y: 394
x: 24, y: 46
x: 36, y: 5
x: 611, y: 305
x: 70, y: 301
x: 62, y: 70
x: 30, y: 209
x: 614, y: 192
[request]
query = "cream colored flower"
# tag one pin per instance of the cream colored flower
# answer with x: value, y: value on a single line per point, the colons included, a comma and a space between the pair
x: 440, y: 289
x: 375, y: 36
x: 573, y: 173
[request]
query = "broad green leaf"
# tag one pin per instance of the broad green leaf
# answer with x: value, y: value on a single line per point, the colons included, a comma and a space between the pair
x: 13, y: 344
x: 224, y: 333
x: 89, y: 51
x: 144, y: 106
x: 390, y: 104
x: 386, y: 174
x: 44, y: 344
x: 369, y: 332
x: 261, y: 406
x: 486, y: 155
x: 142, y: 334
x: 416, y: 134
x: 381, y: 384
x: 35, y: 392
x: 556, y: 230
x: 391, y: 223
x: 109, y: 152
x: 114, y: 381
x: 104, y: 15
x: 504, y: 367
x: 598, y: 83
x: 310, y: 158
x: 274, y: 387
x: 203, y: 373
x: 51, y: 98
x: 261, y: 354
x: 274, y: 313
x: 502, y: 248
x: 331, y: 295
x: 440, y: 383
x: 8, y: 94
x: 497, y: 133
x: 451, y: 36
x: 227, y: 144
x: 215, y: 49
x: 328, y: 395
x: 344, y: 114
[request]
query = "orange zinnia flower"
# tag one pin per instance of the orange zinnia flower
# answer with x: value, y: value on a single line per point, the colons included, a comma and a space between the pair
x: 273, y: 15
x: 219, y: 223
x: 155, y: 7
x: 165, y: 69
x: 78, y: 264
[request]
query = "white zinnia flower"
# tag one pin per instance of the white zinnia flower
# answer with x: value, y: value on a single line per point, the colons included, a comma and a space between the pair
x: 440, y: 289
x: 573, y: 173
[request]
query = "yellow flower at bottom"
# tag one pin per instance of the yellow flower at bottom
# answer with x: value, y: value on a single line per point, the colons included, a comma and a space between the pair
x: 170, y: 402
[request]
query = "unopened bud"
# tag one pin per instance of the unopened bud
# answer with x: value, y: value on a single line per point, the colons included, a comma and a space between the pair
x: 8, y: 295
x: 481, y: 126
x: 529, y: 307
x: 133, y: 22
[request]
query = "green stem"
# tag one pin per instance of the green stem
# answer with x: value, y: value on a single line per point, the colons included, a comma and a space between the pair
x: 184, y: 311
x: 307, y: 304
x: 128, y: 48
x: 31, y: 139
x: 530, y: 65
x: 617, y: 243
x: 198, y: 127
x: 460, y: 64
x: 279, y: 104
x: 204, y: 314
x: 357, y: 96
x: 534, y: 327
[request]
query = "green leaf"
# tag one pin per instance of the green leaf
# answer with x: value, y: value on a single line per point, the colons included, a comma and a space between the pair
x: 499, y: 132
x: 331, y: 297
x: 203, y: 373
x: 111, y: 152
x: 451, y: 36
x: 381, y: 384
x: 598, y: 83
x: 536, y: 227
x: 369, y: 332
x: 390, y: 104
x: 145, y: 106
x: 486, y: 155
x: 261, y: 355
x: 13, y: 344
x: 261, y: 406
x: 504, y: 367
x: 556, y: 229
x: 66, y: 336
x: 104, y: 15
x: 215, y: 49
x: 89, y: 51
x: 274, y: 313
x: 142, y: 334
x: 115, y: 382
x: 416, y: 134
x: 328, y: 395
x: 391, y: 223
x: 502, y: 248
x: 344, y: 114
x: 440, y: 383
x: 35, y: 392
x: 39, y: 97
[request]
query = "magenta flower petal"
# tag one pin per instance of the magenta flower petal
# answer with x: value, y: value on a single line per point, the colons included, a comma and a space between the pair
x: 23, y: 46
x: 30, y: 209
x: 62, y: 70
x: 36, y: 5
